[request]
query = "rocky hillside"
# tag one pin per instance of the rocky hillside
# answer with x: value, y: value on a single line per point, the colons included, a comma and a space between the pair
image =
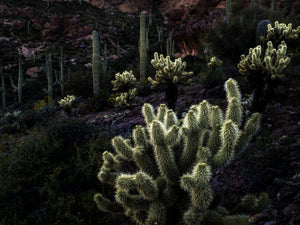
x: 61, y: 189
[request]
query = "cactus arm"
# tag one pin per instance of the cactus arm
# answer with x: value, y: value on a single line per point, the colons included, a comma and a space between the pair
x: 216, y: 121
x: 163, y: 154
x: 106, y: 205
x: 229, y: 136
x: 251, y: 127
x: 15, y: 88
x: 192, y: 141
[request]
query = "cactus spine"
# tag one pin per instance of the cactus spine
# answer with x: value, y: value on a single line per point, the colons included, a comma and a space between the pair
x: 20, y: 81
x: 96, y: 63
x: 3, y: 90
x: 143, y: 46
x: 170, y: 186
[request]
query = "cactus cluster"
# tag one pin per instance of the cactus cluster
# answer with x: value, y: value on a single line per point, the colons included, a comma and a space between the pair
x: 168, y: 71
x: 214, y: 62
x: 125, y: 84
x: 67, y: 101
x: 174, y: 159
x: 281, y: 31
x: 272, y: 64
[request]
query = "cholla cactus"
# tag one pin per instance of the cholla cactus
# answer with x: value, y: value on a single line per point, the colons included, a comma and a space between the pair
x: 271, y: 65
x: 174, y: 162
x: 126, y: 98
x: 170, y: 73
x: 67, y: 101
x: 281, y: 31
x: 125, y: 83
x: 214, y: 62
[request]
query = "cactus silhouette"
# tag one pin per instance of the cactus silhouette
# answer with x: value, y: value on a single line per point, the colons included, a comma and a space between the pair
x: 21, y: 82
x: 96, y: 63
x: 3, y: 90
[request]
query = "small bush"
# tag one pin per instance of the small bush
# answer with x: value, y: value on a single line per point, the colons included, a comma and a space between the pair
x: 49, y: 177
x: 99, y: 102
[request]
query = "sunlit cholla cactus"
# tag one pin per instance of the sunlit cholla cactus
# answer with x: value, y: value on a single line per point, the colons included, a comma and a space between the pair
x: 174, y: 163
x: 67, y: 101
x: 214, y: 62
x: 171, y: 74
x: 124, y: 81
x: 281, y: 31
x: 125, y: 98
x: 168, y: 71
x: 271, y: 65
x: 125, y: 84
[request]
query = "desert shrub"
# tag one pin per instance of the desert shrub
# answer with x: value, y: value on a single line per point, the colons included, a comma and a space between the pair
x: 80, y: 82
x: 70, y: 131
x: 45, y: 179
x: 99, y: 101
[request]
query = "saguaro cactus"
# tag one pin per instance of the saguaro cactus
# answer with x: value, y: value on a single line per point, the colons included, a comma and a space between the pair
x: 21, y: 82
x: 3, y: 90
x: 51, y: 84
x: 171, y: 74
x: 171, y: 181
x: 61, y: 80
x: 143, y: 45
x: 228, y: 11
x: 96, y: 63
x: 170, y: 44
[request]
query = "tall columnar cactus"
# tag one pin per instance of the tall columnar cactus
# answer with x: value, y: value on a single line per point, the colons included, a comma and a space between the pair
x: 160, y: 34
x: 125, y: 84
x: 263, y: 71
x: 104, y: 64
x: 21, y: 82
x: 170, y: 45
x: 170, y: 73
x: 171, y: 181
x: 228, y: 11
x: 61, y: 80
x: 3, y: 90
x: 143, y: 46
x: 51, y: 84
x: 96, y: 63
